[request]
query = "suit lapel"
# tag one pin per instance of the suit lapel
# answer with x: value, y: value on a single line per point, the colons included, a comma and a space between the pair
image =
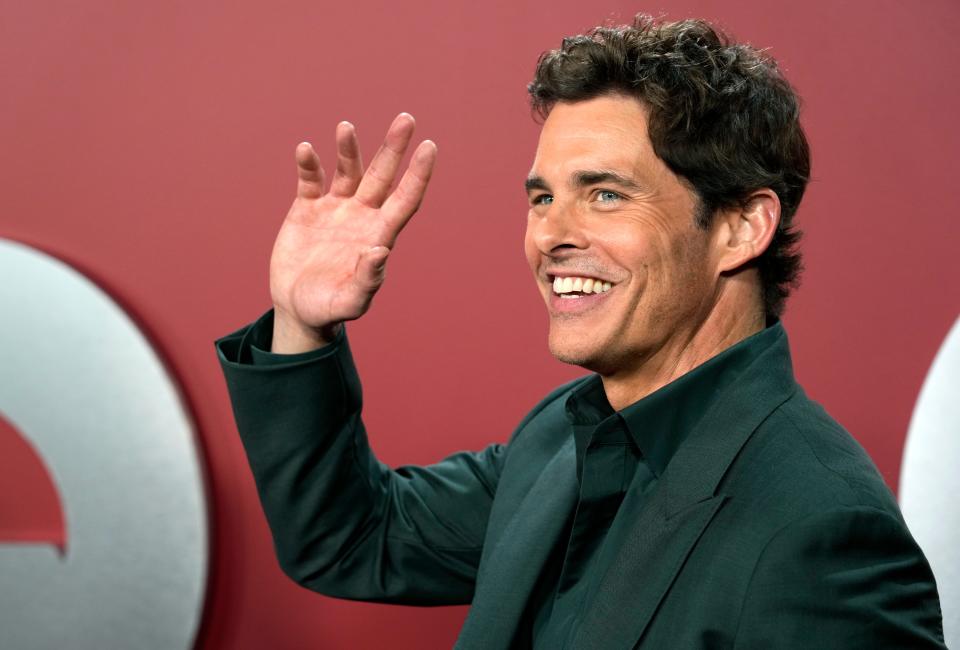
x: 665, y: 527
x: 642, y: 572
x: 519, y: 554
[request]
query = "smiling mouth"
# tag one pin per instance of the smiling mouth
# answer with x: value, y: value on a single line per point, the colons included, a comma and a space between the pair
x: 575, y: 287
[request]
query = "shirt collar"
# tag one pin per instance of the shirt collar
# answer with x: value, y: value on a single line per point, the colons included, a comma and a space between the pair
x: 661, y: 421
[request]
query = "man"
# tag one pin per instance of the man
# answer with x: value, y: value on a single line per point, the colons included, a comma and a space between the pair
x: 686, y: 494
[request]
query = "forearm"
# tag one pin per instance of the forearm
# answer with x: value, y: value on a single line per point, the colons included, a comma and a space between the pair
x: 343, y: 523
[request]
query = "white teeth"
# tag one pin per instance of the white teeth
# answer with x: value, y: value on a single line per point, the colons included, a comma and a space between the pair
x: 571, y: 284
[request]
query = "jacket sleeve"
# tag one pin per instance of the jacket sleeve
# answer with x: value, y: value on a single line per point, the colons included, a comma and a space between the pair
x: 343, y: 523
x: 849, y: 578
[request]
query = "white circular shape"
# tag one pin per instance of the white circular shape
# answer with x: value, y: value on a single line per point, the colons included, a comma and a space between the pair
x: 929, y: 481
x: 80, y: 380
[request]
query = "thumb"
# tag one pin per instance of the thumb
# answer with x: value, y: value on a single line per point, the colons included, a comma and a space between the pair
x: 371, y: 267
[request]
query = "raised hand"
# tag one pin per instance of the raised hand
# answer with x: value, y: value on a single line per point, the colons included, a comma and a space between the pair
x: 329, y: 257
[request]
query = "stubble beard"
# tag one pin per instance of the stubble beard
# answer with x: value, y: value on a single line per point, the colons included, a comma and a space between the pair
x: 567, y: 347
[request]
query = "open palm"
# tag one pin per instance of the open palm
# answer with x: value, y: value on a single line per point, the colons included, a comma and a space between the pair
x: 329, y: 257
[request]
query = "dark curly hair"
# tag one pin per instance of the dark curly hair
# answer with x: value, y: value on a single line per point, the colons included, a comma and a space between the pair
x: 721, y: 116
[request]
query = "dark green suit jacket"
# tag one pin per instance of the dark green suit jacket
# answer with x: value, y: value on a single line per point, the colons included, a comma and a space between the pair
x: 770, y: 528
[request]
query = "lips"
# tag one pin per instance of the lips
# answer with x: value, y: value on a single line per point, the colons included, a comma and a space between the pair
x: 574, y: 294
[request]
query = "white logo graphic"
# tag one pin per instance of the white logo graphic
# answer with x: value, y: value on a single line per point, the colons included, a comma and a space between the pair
x: 80, y: 381
x: 930, y: 482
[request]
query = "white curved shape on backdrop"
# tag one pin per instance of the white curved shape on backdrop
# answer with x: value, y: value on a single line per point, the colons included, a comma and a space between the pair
x: 83, y: 384
x: 930, y: 480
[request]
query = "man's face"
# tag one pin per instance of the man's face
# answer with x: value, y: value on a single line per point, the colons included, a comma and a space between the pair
x: 605, y: 209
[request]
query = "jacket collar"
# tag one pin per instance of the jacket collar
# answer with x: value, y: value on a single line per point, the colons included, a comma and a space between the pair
x: 661, y: 421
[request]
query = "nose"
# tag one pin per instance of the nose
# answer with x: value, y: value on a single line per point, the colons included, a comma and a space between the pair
x: 556, y: 228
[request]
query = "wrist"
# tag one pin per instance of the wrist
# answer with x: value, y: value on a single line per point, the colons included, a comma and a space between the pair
x: 291, y: 336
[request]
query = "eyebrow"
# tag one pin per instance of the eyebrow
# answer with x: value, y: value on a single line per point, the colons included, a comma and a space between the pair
x: 535, y: 183
x: 586, y: 178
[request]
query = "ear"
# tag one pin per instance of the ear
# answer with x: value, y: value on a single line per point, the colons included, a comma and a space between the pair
x: 745, y: 232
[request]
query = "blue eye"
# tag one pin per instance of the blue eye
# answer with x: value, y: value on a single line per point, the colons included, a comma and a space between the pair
x: 542, y: 199
x: 606, y: 196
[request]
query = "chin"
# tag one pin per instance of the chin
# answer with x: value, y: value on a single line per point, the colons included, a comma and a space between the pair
x: 574, y: 352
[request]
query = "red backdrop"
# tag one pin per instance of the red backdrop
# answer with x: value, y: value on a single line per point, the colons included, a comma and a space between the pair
x: 151, y: 144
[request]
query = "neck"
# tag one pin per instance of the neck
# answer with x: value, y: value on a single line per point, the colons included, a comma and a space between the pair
x: 725, y: 325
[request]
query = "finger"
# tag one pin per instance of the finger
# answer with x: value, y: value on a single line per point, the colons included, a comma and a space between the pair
x: 405, y: 200
x: 349, y: 163
x: 371, y: 267
x: 376, y: 182
x: 310, y: 174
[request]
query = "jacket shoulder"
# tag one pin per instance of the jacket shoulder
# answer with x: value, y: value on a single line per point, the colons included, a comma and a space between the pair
x: 814, y: 462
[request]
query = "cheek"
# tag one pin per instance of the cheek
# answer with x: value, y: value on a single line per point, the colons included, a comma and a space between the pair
x: 664, y: 269
x: 686, y: 272
x: 633, y: 253
x: 529, y: 247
